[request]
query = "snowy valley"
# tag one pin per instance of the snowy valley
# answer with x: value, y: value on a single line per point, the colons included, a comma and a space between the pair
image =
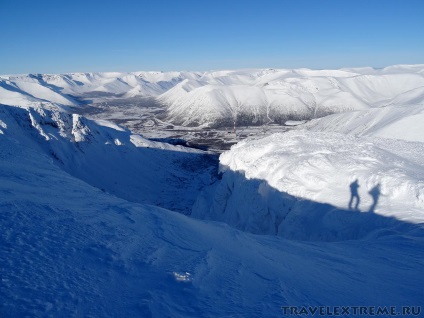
x: 105, y: 211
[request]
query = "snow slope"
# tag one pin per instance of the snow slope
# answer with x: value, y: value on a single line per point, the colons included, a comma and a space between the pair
x: 110, y: 157
x: 296, y: 185
x: 262, y: 96
x: 403, y: 123
x: 70, y: 249
x: 11, y: 94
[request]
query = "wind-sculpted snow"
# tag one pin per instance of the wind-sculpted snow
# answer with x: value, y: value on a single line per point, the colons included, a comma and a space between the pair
x: 110, y: 157
x: 69, y: 249
x: 297, y: 185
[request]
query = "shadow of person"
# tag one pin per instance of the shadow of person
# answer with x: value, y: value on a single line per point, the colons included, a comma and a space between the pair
x: 375, y: 194
x: 354, y: 194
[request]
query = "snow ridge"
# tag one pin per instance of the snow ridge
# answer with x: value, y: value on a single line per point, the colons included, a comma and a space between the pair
x: 296, y: 185
x: 155, y: 173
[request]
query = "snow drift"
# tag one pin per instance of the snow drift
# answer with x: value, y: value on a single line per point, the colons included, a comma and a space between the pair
x: 296, y: 185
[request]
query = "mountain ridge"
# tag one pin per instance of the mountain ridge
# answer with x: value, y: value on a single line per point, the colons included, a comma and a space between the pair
x: 220, y: 98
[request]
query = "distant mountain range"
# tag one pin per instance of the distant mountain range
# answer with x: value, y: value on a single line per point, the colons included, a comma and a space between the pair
x: 220, y: 98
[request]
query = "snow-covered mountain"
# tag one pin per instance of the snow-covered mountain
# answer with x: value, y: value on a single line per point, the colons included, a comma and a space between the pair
x: 263, y: 96
x: 87, y: 208
x: 33, y: 89
x: 296, y: 179
x: 218, y: 98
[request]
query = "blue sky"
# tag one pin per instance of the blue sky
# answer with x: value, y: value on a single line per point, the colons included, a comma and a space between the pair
x: 57, y: 36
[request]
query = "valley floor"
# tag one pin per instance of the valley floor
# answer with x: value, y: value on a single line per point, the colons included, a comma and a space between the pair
x: 147, y: 117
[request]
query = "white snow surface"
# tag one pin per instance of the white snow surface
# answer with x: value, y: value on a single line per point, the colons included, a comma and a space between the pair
x: 110, y: 157
x: 70, y: 249
x: 84, y: 230
x: 296, y: 185
x: 405, y: 123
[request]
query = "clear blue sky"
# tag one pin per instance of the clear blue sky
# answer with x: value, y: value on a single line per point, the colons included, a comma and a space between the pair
x: 57, y: 36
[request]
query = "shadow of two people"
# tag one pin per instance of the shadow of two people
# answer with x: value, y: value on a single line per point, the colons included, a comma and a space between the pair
x: 375, y: 193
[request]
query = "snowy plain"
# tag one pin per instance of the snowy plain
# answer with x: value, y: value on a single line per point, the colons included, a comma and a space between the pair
x: 93, y: 216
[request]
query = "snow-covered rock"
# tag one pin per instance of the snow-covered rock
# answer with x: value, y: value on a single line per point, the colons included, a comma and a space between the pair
x: 111, y: 158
